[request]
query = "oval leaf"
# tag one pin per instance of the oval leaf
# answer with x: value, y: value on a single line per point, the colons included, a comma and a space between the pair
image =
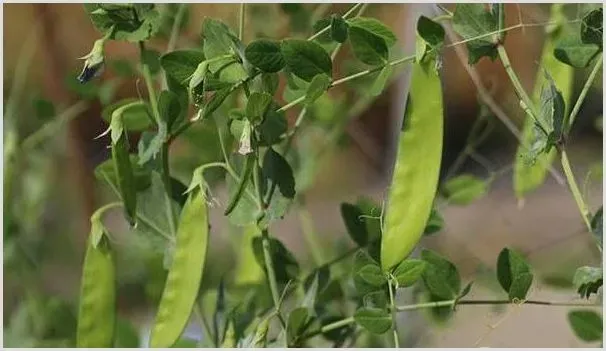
x: 265, y: 55
x: 375, y: 320
x: 306, y: 59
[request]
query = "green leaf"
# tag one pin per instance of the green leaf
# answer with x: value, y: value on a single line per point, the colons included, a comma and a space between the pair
x: 592, y: 27
x: 319, y: 84
x: 277, y: 170
x: 135, y: 118
x: 338, y: 29
x: 376, y: 299
x: 441, y: 277
x: 306, y: 59
x: 151, y: 143
x: 106, y: 172
x: 356, y: 228
x: 257, y: 106
x: 153, y: 209
x: 597, y: 225
x: 572, y: 51
x: 218, y: 38
x: 368, y: 47
x: 133, y: 23
x: 464, y: 189
x: 513, y: 273
x: 285, y: 265
x: 375, y: 320
x: 320, y: 24
x: 266, y: 82
x: 151, y: 58
x: 587, y: 280
x: 408, y: 272
x: 265, y: 55
x: 181, y: 64
x: 361, y: 260
x: 435, y: 223
x: 466, y: 290
x: 586, y: 324
x: 297, y: 323
x: 432, y: 32
x: 372, y: 274
x: 552, y: 108
x: 371, y: 218
x: 272, y: 127
x: 520, y: 286
x: 474, y: 20
x: 379, y: 84
x: 376, y: 27
x: 169, y: 107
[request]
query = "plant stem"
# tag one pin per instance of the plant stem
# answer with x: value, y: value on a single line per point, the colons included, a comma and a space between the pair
x: 50, y: 128
x: 174, y: 33
x: 519, y: 89
x: 574, y: 189
x: 327, y: 28
x: 150, y: 85
x: 241, y: 27
x: 271, y: 274
x: 394, y: 326
x: 332, y: 326
x: 569, y: 121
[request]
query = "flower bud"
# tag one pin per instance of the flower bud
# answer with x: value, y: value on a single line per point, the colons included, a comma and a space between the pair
x: 93, y: 64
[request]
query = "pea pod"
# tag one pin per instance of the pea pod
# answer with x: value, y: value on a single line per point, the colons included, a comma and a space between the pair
x: 526, y: 176
x: 185, y: 274
x: 97, y: 313
x: 121, y: 159
x: 416, y: 172
x: 249, y: 165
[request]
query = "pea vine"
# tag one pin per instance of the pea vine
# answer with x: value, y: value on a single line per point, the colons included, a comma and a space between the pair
x: 229, y: 85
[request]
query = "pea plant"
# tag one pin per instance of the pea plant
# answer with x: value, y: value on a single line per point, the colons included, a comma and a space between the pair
x: 229, y: 86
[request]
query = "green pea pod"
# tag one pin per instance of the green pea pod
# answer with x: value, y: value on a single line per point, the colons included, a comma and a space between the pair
x: 416, y: 172
x: 527, y: 177
x: 248, y: 270
x: 185, y: 274
x: 97, y: 311
x: 249, y: 165
x: 124, y: 170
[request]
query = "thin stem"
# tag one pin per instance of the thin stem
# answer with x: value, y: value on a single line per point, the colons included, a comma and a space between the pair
x: 164, y: 157
x: 517, y: 85
x: 332, y: 326
x: 174, y: 33
x: 569, y: 121
x: 150, y: 85
x: 50, y: 128
x: 443, y: 8
x: 574, y: 188
x: 394, y: 327
x: 271, y: 274
x: 327, y: 28
x: 242, y: 15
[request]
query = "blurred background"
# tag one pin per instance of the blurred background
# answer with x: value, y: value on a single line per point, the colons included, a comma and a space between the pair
x: 50, y: 190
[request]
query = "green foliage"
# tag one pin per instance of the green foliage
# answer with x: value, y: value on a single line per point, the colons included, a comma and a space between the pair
x: 514, y: 274
x: 375, y: 320
x: 440, y: 276
x: 338, y: 29
x: 592, y: 27
x: 464, y: 189
x: 586, y: 324
x: 587, y: 280
x: 265, y: 55
x: 473, y: 22
x: 305, y: 59
x: 408, y: 272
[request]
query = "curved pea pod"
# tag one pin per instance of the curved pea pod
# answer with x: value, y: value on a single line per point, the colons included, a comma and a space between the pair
x: 97, y: 312
x: 124, y: 170
x: 249, y: 165
x: 528, y: 176
x: 185, y: 274
x: 416, y: 172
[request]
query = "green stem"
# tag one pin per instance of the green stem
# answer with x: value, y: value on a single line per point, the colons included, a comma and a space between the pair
x: 394, y: 326
x: 574, y: 188
x: 164, y: 156
x: 271, y: 273
x: 241, y: 27
x: 569, y: 121
x: 52, y: 127
x: 149, y: 83
x: 327, y: 28
x: 517, y: 85
x: 174, y: 33
x: 332, y: 326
